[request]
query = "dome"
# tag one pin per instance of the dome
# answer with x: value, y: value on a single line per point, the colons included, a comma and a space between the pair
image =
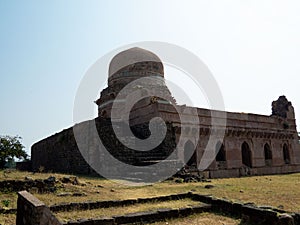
x: 128, y: 67
x: 134, y: 56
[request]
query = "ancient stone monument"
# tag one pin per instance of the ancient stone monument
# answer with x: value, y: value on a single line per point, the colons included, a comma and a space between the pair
x: 252, y: 144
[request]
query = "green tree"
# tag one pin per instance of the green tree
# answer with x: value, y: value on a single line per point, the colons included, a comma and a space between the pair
x: 11, y: 148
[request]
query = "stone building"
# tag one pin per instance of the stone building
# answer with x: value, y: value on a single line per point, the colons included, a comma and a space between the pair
x: 250, y: 144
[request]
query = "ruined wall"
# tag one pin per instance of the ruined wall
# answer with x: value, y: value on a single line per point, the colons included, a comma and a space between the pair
x: 31, y: 211
x: 257, y: 131
x: 60, y: 153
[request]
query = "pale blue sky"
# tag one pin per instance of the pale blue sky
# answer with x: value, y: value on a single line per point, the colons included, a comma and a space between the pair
x: 252, y: 48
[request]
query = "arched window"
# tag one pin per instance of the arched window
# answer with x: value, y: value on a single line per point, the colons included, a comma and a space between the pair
x: 268, y: 155
x: 190, y: 155
x: 221, y: 154
x: 246, y: 155
x: 286, y: 154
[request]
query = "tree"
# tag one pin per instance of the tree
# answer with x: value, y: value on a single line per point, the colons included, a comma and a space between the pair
x: 11, y: 148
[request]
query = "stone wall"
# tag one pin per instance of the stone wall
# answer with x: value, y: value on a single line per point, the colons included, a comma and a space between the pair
x: 60, y: 153
x: 114, y: 203
x: 243, y: 171
x: 41, y: 186
x: 257, y: 131
x: 249, y: 212
x: 24, y: 166
x: 32, y: 211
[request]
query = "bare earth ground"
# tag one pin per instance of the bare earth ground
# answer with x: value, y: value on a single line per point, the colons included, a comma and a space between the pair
x: 281, y: 191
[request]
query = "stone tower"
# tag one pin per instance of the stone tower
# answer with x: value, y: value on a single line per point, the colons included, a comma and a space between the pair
x: 128, y: 68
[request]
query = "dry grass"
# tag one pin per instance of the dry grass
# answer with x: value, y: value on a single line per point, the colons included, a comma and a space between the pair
x: 122, y: 210
x: 7, y: 219
x: 278, y: 191
x: 202, y: 219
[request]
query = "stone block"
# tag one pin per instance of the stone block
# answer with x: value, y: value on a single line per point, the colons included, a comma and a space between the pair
x: 31, y: 211
x: 285, y: 219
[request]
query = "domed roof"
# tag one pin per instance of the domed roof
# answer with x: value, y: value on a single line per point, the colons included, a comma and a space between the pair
x: 129, y: 57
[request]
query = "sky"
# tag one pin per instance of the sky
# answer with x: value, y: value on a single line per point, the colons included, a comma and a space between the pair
x: 251, y: 47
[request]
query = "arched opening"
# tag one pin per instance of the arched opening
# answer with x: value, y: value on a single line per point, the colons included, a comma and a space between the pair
x: 268, y: 155
x: 286, y: 154
x: 221, y: 156
x: 190, y: 155
x: 246, y: 155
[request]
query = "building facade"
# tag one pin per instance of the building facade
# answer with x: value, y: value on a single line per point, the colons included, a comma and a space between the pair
x: 249, y: 144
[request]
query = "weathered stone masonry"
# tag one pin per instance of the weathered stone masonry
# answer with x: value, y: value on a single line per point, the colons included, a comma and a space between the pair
x: 253, y: 144
x: 60, y: 153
